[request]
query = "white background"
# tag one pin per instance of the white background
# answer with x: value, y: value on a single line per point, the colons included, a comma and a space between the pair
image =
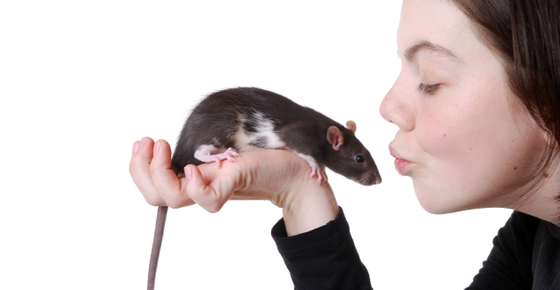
x: 80, y: 81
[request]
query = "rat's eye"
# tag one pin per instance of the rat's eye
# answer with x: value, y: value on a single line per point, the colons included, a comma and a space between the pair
x: 360, y: 158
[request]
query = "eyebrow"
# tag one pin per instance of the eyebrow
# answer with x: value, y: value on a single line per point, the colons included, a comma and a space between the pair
x: 425, y: 45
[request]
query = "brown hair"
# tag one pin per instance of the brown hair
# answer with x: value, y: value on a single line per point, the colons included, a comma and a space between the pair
x: 526, y: 37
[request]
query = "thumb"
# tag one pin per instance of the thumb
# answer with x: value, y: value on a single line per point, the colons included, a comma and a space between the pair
x: 210, y: 195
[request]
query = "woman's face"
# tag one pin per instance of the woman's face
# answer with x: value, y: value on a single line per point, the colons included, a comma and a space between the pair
x: 463, y: 138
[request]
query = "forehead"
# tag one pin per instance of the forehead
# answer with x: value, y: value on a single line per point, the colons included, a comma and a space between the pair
x: 438, y: 23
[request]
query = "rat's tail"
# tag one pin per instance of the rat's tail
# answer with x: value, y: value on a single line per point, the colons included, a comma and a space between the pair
x: 156, y: 246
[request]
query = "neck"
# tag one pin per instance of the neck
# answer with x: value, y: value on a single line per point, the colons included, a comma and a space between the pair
x: 544, y: 201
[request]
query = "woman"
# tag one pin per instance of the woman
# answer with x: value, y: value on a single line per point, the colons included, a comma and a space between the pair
x: 477, y: 104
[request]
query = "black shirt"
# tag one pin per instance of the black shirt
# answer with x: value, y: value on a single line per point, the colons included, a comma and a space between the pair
x: 526, y: 255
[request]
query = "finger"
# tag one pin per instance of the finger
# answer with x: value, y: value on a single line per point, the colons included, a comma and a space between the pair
x: 135, y: 147
x: 213, y: 196
x: 139, y: 169
x: 165, y: 180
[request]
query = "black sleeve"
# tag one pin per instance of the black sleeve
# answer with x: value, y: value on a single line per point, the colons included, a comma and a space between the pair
x: 324, y: 258
x: 509, y: 264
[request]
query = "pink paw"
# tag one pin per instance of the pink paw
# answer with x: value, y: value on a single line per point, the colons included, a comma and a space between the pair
x: 204, y: 154
x: 316, y: 170
x: 229, y: 154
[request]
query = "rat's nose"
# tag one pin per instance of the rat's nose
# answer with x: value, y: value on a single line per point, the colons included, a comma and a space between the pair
x: 377, y: 180
x: 370, y: 178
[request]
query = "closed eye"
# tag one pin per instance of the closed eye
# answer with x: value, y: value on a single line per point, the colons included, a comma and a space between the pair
x: 428, y: 89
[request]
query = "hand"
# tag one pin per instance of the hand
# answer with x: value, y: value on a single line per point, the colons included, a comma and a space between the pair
x: 279, y: 176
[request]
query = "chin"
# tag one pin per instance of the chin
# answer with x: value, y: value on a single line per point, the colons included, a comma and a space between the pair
x: 435, y: 208
x: 436, y: 201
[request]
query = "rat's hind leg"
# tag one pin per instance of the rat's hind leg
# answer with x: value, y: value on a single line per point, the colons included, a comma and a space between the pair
x: 209, y: 153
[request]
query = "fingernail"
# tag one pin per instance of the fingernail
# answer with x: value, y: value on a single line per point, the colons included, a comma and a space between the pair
x: 141, y: 144
x: 156, y: 149
x: 135, y: 148
x: 188, y: 174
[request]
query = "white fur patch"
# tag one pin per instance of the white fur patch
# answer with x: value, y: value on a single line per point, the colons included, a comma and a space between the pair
x: 312, y: 162
x: 265, y: 136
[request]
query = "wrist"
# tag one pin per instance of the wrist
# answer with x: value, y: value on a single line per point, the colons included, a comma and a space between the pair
x: 311, y: 208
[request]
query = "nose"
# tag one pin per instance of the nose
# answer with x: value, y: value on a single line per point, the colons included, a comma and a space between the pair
x: 377, y: 179
x: 397, y: 107
x: 370, y: 178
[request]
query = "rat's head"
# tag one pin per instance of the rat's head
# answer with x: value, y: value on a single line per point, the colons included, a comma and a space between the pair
x: 350, y: 158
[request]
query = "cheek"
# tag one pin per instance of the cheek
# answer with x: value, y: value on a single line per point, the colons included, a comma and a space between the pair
x: 470, y: 149
x: 448, y: 165
x: 448, y: 139
x: 463, y: 118
x: 456, y: 168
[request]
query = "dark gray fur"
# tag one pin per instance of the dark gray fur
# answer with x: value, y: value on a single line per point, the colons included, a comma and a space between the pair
x: 215, y: 120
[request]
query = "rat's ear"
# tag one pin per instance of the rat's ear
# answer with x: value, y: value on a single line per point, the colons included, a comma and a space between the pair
x: 334, y: 136
x: 351, y: 125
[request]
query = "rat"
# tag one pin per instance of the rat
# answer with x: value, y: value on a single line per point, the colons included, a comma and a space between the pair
x: 243, y: 119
